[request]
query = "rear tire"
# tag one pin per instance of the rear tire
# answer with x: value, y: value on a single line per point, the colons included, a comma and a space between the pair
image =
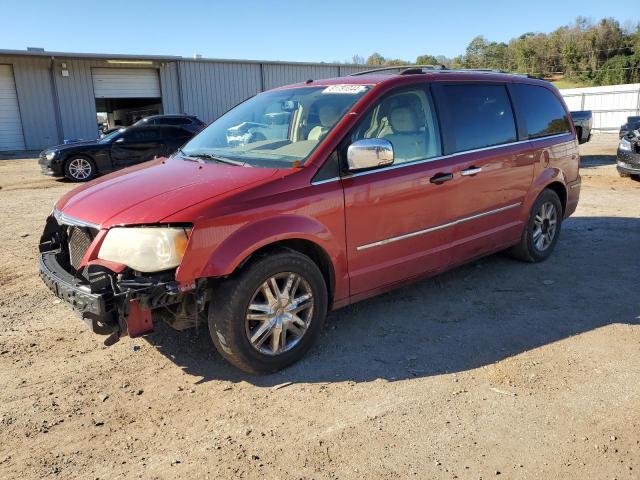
x: 79, y: 169
x: 541, y: 232
x: 252, y: 308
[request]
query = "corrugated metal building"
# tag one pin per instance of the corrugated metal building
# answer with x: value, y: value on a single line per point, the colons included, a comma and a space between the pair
x: 46, y: 97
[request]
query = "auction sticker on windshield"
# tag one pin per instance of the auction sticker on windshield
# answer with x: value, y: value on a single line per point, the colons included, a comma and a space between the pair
x: 348, y: 89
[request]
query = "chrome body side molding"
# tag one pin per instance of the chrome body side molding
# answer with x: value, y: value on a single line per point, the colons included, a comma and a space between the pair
x: 435, y: 228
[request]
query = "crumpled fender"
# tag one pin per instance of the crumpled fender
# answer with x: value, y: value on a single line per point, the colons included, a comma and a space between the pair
x: 244, y: 241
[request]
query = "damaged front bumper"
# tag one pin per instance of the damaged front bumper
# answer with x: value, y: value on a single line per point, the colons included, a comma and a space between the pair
x: 111, y: 298
x: 96, y: 309
x: 119, y: 304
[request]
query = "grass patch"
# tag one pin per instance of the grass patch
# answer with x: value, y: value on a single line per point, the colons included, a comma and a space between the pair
x: 564, y: 83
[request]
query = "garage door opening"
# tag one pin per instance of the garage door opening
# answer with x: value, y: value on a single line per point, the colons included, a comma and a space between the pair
x: 122, y: 112
x: 11, y: 137
x: 125, y: 95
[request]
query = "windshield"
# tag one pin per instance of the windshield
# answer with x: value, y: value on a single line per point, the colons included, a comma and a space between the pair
x: 111, y: 136
x: 277, y: 129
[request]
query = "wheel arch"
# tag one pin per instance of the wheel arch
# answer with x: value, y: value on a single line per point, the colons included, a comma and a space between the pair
x: 560, y: 190
x: 299, y: 233
x: 553, y: 179
x: 307, y: 247
x: 71, y: 156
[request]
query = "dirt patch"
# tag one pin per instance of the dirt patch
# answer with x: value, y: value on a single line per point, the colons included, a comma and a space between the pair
x: 496, y: 368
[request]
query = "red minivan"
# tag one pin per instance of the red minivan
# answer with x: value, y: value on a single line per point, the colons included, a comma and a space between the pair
x: 310, y: 197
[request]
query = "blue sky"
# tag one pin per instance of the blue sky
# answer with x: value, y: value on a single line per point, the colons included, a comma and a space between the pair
x: 320, y: 30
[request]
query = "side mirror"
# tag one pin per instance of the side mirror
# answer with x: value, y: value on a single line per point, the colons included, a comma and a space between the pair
x: 120, y: 140
x: 369, y: 153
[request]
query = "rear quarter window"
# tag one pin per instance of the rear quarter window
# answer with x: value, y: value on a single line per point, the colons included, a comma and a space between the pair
x: 475, y: 116
x: 540, y: 110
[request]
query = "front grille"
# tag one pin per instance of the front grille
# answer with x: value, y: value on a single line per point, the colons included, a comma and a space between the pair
x: 69, y: 241
x: 79, y: 240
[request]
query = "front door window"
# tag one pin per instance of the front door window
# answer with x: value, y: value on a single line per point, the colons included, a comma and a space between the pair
x: 407, y: 119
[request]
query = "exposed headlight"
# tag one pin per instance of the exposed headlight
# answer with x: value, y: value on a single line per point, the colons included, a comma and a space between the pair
x: 51, y: 155
x: 145, y: 249
x: 625, y: 145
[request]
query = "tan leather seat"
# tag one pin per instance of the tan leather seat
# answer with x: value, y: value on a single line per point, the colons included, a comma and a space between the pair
x: 328, y: 116
x: 408, y: 138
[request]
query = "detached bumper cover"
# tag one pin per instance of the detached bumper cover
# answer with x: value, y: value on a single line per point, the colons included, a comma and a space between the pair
x: 96, y: 309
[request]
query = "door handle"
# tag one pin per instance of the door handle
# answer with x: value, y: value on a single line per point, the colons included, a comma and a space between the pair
x: 470, y: 171
x: 440, y: 178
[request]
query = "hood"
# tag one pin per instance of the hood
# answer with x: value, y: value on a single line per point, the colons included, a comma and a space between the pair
x: 70, y: 146
x: 149, y: 192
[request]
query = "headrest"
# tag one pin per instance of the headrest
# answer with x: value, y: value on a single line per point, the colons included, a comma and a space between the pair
x: 403, y: 120
x: 328, y: 115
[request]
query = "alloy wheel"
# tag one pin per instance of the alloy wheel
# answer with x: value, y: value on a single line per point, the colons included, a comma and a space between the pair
x: 80, y: 168
x: 545, y: 225
x: 279, y: 313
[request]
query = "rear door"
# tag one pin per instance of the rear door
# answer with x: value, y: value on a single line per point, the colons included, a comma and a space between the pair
x: 481, y: 136
x: 137, y: 145
x: 545, y: 123
x: 397, y: 217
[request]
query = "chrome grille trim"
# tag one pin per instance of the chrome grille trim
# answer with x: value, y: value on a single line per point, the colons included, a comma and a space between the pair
x: 64, y: 219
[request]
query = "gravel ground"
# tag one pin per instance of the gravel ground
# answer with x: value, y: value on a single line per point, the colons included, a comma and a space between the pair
x: 498, y: 368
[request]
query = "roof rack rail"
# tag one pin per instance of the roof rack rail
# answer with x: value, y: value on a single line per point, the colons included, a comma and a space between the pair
x: 417, y: 69
x: 486, y: 70
x: 404, y: 69
x: 490, y: 70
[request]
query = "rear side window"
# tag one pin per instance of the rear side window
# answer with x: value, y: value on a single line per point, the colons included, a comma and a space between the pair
x: 177, y: 133
x: 475, y: 116
x: 142, y: 135
x: 540, y: 110
x: 173, y: 121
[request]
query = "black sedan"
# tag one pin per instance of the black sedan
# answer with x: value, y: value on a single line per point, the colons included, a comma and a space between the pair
x: 82, y: 161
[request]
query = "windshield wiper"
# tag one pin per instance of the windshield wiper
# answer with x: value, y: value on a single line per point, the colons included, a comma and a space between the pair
x: 215, y: 158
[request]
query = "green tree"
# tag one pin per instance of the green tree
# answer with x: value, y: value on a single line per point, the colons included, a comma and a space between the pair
x: 619, y: 69
x: 474, y: 56
x: 395, y: 61
x: 427, y: 60
x: 375, y: 59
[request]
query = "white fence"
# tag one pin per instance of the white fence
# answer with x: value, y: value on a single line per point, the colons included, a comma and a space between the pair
x: 611, y: 104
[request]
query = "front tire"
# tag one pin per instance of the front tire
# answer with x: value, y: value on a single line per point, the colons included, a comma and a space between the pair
x: 79, y: 169
x: 266, y: 316
x: 541, y: 233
